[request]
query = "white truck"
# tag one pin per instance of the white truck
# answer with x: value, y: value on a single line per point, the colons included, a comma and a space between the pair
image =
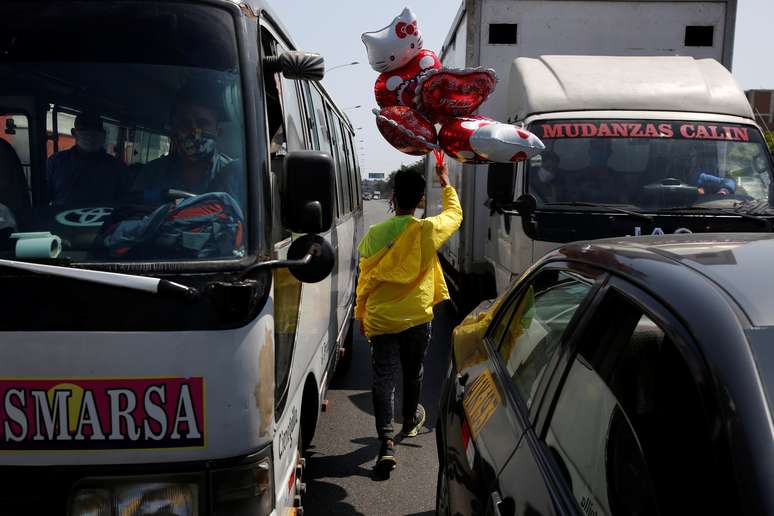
x: 634, y: 146
x: 493, y: 33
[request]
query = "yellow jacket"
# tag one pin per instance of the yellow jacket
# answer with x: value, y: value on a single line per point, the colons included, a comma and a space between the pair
x: 399, y: 285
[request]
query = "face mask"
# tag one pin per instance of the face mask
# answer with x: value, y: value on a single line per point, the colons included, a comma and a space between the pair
x: 197, y: 145
x: 89, y: 141
x: 545, y: 175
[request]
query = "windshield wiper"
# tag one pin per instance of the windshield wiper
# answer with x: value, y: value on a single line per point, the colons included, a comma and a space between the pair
x: 113, y: 279
x: 635, y: 214
x: 763, y: 220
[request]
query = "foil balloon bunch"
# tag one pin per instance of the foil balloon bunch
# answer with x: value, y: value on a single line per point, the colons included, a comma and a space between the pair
x: 417, y: 96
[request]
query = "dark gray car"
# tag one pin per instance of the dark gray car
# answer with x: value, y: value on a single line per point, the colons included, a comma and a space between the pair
x: 628, y: 376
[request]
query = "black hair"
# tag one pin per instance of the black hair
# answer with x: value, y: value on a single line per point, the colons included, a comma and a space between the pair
x: 88, y: 120
x: 408, y: 189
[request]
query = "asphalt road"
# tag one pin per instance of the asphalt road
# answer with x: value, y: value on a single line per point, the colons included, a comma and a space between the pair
x: 339, y: 475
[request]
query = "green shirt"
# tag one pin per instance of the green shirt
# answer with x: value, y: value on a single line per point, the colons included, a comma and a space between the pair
x: 383, y: 234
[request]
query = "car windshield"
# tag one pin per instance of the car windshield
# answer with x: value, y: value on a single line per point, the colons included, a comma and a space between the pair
x: 649, y: 164
x: 121, y: 132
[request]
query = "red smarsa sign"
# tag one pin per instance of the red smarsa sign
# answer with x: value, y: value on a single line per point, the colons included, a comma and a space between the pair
x: 86, y: 414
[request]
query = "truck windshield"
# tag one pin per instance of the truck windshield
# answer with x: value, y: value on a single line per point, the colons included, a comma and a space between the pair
x: 121, y: 131
x: 649, y: 165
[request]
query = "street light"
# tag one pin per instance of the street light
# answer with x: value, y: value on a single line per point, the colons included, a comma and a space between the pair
x: 351, y: 107
x: 342, y: 65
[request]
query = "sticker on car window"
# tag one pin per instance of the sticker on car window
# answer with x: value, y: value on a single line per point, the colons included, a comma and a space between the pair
x: 480, y: 402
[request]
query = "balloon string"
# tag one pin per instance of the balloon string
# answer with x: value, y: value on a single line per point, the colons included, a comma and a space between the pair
x: 438, y: 156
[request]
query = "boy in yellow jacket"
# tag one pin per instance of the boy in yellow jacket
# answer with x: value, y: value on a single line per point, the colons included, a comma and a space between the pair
x: 400, y: 282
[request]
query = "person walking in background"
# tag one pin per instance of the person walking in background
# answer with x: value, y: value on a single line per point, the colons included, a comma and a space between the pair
x: 400, y: 282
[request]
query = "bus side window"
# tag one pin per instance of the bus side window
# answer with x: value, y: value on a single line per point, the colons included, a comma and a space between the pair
x: 141, y: 146
x: 338, y: 159
x: 312, y: 122
x: 358, y: 177
x: 351, y: 168
x: 272, y: 87
x: 294, y: 116
x: 64, y: 139
x: 325, y: 136
x: 15, y: 181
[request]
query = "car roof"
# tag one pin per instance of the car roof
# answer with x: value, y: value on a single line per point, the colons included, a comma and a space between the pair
x: 741, y: 264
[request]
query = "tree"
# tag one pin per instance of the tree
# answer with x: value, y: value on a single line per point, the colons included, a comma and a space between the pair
x: 769, y: 135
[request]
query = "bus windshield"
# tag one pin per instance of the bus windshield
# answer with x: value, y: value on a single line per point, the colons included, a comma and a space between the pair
x: 649, y: 165
x: 121, y: 131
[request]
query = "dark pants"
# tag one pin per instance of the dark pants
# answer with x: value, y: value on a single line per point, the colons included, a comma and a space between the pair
x: 389, y: 353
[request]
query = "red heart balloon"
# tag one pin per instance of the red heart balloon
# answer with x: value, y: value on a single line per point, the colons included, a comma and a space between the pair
x: 453, y: 93
x: 406, y: 129
x: 397, y: 88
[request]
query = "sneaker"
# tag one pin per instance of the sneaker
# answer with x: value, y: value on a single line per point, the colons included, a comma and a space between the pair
x: 386, y: 460
x: 412, y: 428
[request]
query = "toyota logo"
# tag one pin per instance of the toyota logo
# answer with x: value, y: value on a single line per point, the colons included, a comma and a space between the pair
x: 84, y: 217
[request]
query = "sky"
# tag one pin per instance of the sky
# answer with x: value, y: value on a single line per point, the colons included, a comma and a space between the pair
x: 333, y: 29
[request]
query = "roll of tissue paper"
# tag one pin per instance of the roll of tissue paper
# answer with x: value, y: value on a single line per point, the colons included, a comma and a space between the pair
x: 37, y: 245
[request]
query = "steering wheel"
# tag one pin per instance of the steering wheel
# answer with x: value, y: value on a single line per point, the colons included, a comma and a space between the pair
x: 668, y: 183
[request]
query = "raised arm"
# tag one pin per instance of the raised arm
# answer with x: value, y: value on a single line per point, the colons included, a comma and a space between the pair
x: 449, y: 220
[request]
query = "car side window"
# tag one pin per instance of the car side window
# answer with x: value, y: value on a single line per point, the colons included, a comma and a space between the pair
x: 529, y: 334
x: 627, y: 409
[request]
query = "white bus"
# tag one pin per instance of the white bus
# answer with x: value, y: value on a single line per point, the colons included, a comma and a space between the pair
x: 177, y: 296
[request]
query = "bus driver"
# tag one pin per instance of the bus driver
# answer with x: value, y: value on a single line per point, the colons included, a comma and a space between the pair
x: 195, y: 165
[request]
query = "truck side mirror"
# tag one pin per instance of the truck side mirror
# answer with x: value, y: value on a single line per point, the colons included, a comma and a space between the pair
x: 501, y: 182
x: 296, y: 65
x: 308, y: 192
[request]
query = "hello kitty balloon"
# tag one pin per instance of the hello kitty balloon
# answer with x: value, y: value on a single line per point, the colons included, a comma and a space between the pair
x: 415, y: 92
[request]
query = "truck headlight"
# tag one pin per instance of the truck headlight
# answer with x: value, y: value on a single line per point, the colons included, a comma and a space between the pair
x: 136, y: 497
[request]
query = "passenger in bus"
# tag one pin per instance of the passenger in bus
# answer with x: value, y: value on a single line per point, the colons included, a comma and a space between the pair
x: 85, y: 173
x: 400, y: 282
x: 194, y: 165
x: 545, y: 182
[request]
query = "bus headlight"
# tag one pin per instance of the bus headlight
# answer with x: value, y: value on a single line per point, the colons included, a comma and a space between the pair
x: 244, y: 490
x: 136, y: 498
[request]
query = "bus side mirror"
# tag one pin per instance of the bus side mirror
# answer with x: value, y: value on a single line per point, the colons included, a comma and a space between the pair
x: 321, y: 258
x: 296, y: 65
x: 308, y: 192
x: 501, y: 182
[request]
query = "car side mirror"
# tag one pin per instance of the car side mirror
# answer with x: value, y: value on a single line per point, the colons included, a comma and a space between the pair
x: 296, y: 65
x: 501, y: 182
x: 308, y: 192
x: 10, y: 126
